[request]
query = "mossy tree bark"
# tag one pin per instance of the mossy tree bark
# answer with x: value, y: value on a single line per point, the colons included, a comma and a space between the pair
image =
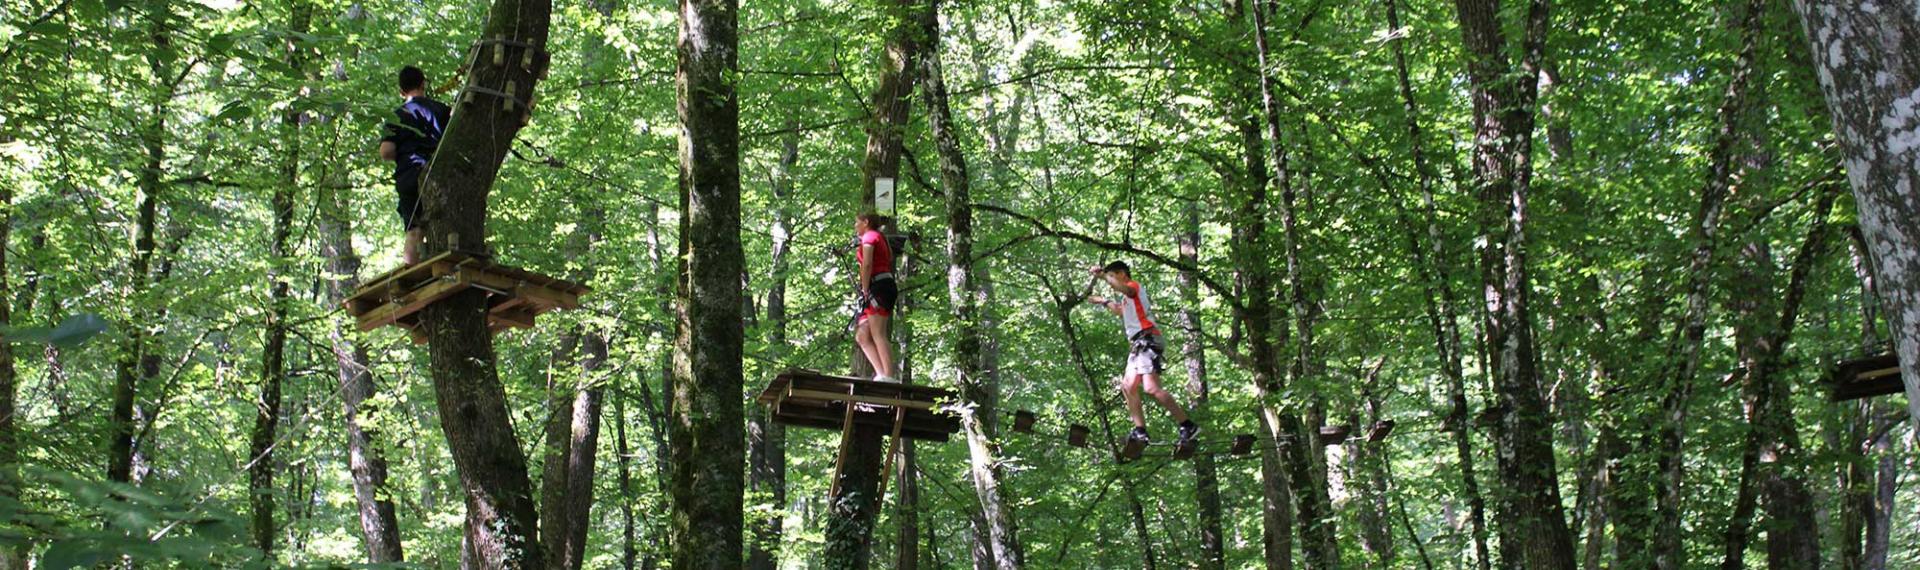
x: 1867, y: 57
x: 706, y: 434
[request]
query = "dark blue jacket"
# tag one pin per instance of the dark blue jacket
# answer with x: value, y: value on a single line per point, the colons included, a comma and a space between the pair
x: 421, y: 122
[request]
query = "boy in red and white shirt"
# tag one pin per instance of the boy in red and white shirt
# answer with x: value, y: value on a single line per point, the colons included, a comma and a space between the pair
x: 1144, y: 358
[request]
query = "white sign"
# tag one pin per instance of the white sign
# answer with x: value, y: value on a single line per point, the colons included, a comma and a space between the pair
x: 883, y: 195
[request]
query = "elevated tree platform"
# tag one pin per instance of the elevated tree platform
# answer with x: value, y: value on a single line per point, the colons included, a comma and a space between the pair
x: 809, y: 398
x: 515, y: 296
x: 1877, y: 375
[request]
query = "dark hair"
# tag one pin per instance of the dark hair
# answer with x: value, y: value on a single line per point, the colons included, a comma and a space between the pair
x: 874, y: 220
x: 411, y: 78
x: 1118, y: 266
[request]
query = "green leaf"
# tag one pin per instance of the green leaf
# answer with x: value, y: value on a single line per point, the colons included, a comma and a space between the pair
x: 67, y: 554
x: 234, y: 111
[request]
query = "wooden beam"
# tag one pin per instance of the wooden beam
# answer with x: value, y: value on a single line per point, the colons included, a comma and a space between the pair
x: 861, y: 398
x: 409, y: 303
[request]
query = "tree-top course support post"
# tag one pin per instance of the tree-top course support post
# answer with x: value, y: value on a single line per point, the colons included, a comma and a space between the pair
x: 502, y: 524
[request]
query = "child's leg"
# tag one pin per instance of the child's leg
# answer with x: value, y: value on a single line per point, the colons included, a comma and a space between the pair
x: 415, y: 239
x: 865, y: 340
x: 1130, y: 389
x: 1159, y: 394
x: 882, y: 345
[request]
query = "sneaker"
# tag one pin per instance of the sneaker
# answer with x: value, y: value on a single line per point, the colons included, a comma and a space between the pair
x: 884, y: 378
x: 1137, y: 441
x: 1188, y: 430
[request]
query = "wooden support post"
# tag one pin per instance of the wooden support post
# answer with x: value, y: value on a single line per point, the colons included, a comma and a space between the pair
x: 893, y: 449
x: 846, y: 436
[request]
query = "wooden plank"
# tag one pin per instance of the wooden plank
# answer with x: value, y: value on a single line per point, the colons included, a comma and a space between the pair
x: 516, y: 318
x: 915, y: 427
x: 410, y: 303
x: 864, y: 399
x: 486, y: 277
x: 398, y: 276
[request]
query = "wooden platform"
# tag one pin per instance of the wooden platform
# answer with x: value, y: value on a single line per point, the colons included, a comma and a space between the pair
x: 809, y: 398
x: 515, y: 296
x: 1877, y: 375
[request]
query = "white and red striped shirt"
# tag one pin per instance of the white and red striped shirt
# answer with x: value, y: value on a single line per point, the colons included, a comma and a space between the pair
x: 1133, y: 310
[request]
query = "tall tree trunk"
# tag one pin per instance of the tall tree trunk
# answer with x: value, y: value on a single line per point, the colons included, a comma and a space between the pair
x: 366, y: 462
x: 1305, y: 458
x: 273, y: 364
x: 1431, y: 265
x: 629, y: 548
x: 574, y: 402
x: 1206, y: 479
x: 707, y: 438
x: 16, y: 556
x: 129, y: 372
x: 853, y: 515
x: 1867, y: 57
x: 1248, y: 252
x: 1683, y: 357
x: 766, y: 440
x: 502, y: 520
x: 963, y: 294
x: 1533, y: 529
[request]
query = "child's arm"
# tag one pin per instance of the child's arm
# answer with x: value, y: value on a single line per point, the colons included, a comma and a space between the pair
x: 866, y: 265
x: 1111, y: 305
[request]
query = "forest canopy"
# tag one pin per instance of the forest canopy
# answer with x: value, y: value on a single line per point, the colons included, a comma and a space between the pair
x: 1470, y: 284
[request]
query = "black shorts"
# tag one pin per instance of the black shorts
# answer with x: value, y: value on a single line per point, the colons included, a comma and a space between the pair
x: 407, y: 182
x: 881, y: 296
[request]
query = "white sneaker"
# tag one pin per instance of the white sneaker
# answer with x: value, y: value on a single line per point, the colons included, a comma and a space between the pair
x: 884, y: 378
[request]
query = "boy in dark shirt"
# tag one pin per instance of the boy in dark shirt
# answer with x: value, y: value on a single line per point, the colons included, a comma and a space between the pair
x: 410, y: 144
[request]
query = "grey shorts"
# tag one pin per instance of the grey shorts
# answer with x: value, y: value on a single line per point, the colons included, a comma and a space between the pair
x: 1145, y: 356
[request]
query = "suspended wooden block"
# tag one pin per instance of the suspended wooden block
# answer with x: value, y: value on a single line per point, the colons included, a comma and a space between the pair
x: 1077, y: 435
x: 809, y: 398
x: 1333, y: 435
x: 1877, y: 375
x: 1023, y: 421
x: 1242, y: 444
x: 1379, y: 431
x: 514, y: 296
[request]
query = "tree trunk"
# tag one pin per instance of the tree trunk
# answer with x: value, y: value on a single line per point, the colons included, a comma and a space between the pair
x: 1248, y: 252
x: 1867, y: 57
x: 1684, y: 355
x: 1431, y: 263
x: 574, y: 403
x: 129, y: 374
x: 502, y: 521
x: 379, y: 526
x: 273, y: 364
x: 1206, y: 480
x: 1533, y: 530
x: 852, y: 513
x: 767, y: 440
x: 1306, y: 459
x: 15, y: 556
x: 963, y: 293
x: 707, y: 438
x: 366, y: 462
